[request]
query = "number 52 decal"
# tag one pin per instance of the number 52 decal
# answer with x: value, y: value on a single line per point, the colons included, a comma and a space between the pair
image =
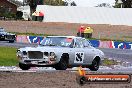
x: 79, y: 56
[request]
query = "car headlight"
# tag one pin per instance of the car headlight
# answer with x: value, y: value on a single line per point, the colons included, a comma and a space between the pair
x: 19, y: 53
x: 52, y: 56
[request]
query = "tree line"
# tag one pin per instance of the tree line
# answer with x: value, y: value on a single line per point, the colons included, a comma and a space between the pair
x: 124, y: 4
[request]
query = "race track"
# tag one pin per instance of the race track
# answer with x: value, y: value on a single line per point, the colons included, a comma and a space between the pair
x: 117, y: 54
x: 16, y: 45
x: 102, y: 69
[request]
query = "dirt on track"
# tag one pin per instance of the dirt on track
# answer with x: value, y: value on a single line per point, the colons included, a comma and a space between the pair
x: 103, y: 31
x: 60, y: 79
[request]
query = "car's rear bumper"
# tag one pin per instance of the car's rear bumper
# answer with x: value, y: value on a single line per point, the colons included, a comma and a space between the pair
x: 4, y: 38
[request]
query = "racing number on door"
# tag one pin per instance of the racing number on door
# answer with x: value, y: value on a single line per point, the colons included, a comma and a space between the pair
x: 79, y: 56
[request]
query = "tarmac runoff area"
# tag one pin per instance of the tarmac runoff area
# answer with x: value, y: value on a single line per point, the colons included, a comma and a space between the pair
x: 123, y: 56
x: 102, y: 69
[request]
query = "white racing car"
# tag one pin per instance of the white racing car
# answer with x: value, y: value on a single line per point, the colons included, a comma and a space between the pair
x: 61, y: 52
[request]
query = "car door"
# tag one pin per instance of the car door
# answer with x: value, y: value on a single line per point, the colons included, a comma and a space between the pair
x: 89, y: 51
x: 78, y: 52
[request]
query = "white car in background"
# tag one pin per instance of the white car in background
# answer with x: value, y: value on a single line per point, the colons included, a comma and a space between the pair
x: 61, y: 52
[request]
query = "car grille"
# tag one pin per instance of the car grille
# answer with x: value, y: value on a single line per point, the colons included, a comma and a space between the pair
x: 35, y: 55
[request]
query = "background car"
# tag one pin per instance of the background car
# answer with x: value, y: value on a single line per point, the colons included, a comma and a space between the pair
x: 5, y: 36
x: 61, y: 52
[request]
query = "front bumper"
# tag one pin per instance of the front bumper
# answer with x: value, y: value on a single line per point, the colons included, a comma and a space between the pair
x: 35, y: 62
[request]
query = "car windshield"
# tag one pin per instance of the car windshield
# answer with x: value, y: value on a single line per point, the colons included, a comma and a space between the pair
x: 57, y: 41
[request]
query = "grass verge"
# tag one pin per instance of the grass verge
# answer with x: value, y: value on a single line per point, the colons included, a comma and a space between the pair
x: 31, y: 34
x: 107, y: 62
x: 8, y: 56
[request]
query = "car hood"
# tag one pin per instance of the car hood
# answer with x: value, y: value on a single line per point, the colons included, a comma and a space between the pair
x: 45, y: 49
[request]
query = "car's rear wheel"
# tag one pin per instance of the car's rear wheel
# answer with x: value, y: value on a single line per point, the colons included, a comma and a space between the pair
x: 24, y: 66
x: 62, y: 65
x: 95, y: 65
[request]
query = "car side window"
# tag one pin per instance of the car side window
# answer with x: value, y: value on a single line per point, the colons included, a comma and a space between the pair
x: 86, y: 43
x: 78, y: 43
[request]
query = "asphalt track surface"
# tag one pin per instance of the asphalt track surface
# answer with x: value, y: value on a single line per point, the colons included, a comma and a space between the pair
x: 102, y: 69
x: 117, y: 54
x: 16, y: 45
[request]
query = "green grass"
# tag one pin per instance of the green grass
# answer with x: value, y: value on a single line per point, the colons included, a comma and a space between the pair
x: 31, y: 34
x: 107, y: 39
x: 107, y: 62
x: 127, y: 36
x: 8, y: 56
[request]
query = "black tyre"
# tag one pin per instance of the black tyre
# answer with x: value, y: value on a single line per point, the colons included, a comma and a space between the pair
x: 24, y: 66
x: 95, y: 65
x: 62, y: 65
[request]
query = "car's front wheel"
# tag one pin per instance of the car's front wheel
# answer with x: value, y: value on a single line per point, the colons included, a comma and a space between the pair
x: 62, y: 65
x: 95, y: 65
x: 24, y: 66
